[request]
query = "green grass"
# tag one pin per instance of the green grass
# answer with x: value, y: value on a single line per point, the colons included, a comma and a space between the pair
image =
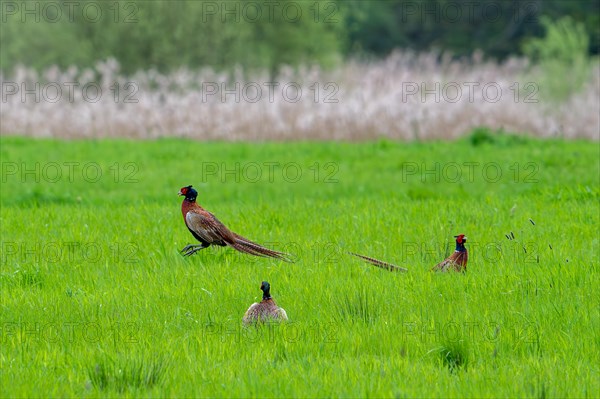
x: 96, y: 300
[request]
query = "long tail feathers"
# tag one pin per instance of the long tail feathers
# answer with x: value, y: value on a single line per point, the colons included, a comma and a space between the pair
x: 378, y: 263
x: 244, y: 245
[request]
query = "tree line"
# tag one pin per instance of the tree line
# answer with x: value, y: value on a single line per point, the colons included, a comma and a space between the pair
x: 222, y: 34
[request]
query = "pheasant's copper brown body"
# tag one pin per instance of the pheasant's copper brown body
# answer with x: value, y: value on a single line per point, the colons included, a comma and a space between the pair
x: 207, y: 229
x: 458, y: 260
x: 266, y: 310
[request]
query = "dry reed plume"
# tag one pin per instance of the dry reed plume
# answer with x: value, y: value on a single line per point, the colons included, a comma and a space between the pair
x: 357, y: 101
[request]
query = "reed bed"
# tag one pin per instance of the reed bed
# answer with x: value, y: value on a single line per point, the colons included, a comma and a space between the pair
x: 404, y: 97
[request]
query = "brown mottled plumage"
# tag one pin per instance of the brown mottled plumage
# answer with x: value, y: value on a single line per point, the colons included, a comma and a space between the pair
x: 207, y: 229
x: 266, y: 310
x: 381, y: 264
x: 458, y: 260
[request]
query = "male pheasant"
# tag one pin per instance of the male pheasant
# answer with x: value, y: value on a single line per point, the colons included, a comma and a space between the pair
x: 266, y: 310
x: 458, y: 260
x: 207, y: 229
x: 455, y: 262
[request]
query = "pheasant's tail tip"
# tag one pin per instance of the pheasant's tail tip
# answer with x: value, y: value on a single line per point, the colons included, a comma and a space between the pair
x: 359, y: 256
x: 394, y: 268
x: 286, y: 258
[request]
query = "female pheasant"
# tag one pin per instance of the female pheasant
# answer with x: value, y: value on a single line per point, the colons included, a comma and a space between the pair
x: 207, y: 229
x: 266, y: 310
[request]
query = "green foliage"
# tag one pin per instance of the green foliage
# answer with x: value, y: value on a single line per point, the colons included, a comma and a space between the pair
x: 562, y: 55
x: 496, y: 28
x: 222, y: 34
x: 126, y: 374
x: 357, y: 306
x: 109, y: 308
x: 23, y: 278
x: 41, y: 45
x: 170, y: 34
x: 454, y: 356
x: 483, y: 135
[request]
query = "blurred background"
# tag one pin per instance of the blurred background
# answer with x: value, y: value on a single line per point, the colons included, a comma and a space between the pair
x: 316, y: 69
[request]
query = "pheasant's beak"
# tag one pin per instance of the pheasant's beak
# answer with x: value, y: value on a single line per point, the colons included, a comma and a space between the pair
x: 180, y: 193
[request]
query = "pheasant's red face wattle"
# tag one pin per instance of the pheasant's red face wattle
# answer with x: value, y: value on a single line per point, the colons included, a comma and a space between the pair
x: 460, y: 238
x: 183, y: 191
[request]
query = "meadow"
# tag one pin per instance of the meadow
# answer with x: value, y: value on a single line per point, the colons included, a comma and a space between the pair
x: 96, y: 300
